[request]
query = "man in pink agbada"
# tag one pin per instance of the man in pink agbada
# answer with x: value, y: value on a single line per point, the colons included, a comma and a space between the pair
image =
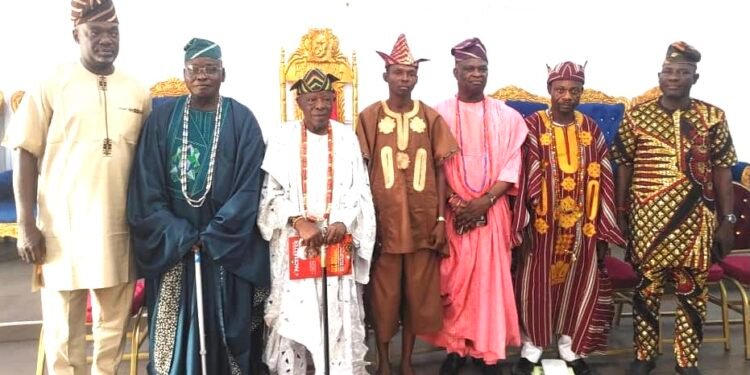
x: 480, y: 318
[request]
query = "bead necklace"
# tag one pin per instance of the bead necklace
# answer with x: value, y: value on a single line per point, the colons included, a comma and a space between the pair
x: 186, y: 142
x: 329, y: 172
x: 559, y: 193
x: 485, y: 147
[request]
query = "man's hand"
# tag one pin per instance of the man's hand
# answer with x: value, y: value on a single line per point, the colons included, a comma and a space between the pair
x: 473, y: 210
x: 31, y: 244
x: 437, y: 236
x: 310, y: 233
x: 724, y: 238
x: 335, y: 233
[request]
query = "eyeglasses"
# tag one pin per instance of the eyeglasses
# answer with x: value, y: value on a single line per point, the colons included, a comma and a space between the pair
x: 210, y: 70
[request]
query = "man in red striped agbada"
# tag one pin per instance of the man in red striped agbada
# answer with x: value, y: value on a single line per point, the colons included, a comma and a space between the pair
x: 565, y: 214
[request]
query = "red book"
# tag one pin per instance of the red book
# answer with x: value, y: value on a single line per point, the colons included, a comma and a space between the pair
x: 339, y: 260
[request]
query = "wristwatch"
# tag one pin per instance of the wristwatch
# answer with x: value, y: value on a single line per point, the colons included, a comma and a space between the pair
x: 731, y: 218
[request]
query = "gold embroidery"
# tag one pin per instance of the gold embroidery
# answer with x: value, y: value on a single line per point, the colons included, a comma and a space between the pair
x: 568, y: 184
x: 568, y: 220
x: 402, y: 160
x: 558, y: 272
x: 420, y: 169
x: 386, y: 159
x: 545, y: 139
x: 592, y: 199
x: 594, y: 169
x: 589, y: 229
x: 568, y: 204
x: 541, y: 208
x: 567, y: 148
x: 417, y: 125
x: 402, y: 123
x: 541, y: 225
x: 386, y: 125
x: 586, y: 138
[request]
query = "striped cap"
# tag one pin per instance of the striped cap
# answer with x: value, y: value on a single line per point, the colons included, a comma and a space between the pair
x: 313, y: 81
x: 568, y: 71
x: 401, y: 54
x: 82, y: 11
x: 469, y: 49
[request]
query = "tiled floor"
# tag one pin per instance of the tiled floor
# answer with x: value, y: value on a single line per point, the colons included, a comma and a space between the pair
x: 18, y: 346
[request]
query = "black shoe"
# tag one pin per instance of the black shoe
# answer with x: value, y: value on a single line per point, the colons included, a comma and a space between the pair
x: 493, y: 369
x: 523, y: 367
x: 639, y: 367
x: 452, y: 364
x: 580, y: 367
x: 687, y: 370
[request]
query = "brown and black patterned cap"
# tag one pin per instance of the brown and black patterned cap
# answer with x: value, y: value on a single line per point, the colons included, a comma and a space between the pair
x: 82, y: 11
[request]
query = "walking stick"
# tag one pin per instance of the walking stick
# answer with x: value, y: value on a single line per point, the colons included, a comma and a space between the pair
x: 326, y: 354
x: 199, y: 302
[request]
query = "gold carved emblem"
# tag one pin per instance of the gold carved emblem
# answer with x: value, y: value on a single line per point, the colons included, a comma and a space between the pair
x: 319, y: 48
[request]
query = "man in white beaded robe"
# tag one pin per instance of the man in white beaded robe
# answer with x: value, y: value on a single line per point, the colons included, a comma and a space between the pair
x: 316, y: 188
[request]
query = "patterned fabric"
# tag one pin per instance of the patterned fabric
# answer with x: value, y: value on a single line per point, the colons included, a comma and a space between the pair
x: 681, y: 52
x: 672, y: 213
x: 401, y: 54
x: 568, y: 71
x: 672, y: 194
x: 83, y: 11
x: 200, y: 131
x: 314, y: 81
x: 197, y: 47
x: 691, y: 312
x: 566, y: 205
x: 469, y: 49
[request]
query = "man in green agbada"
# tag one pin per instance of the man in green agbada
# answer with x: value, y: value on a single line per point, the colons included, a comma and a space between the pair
x: 194, y: 188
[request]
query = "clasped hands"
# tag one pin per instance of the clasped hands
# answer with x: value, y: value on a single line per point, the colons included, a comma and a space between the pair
x: 313, y: 237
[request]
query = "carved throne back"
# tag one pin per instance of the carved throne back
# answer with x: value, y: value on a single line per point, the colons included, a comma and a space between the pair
x: 319, y: 48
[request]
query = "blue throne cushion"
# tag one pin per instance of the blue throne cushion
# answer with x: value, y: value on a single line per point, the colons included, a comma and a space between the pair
x: 7, y: 202
x: 525, y: 108
x: 607, y: 116
x: 160, y: 100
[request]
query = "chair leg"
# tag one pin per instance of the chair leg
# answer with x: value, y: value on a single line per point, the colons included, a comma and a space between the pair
x: 136, y: 341
x: 745, y: 314
x: 40, y: 353
x: 725, y: 315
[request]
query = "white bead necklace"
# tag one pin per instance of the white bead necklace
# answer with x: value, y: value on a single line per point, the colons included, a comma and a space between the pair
x: 183, y: 160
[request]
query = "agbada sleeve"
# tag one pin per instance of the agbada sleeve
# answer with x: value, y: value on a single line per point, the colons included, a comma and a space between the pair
x: 160, y: 239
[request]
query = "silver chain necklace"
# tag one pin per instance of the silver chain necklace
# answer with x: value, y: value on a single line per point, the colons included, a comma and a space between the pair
x: 185, y: 143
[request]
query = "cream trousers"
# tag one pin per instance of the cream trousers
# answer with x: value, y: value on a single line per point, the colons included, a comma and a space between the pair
x: 64, y: 315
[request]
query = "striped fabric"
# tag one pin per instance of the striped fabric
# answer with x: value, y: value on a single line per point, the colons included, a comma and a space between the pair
x: 581, y: 306
x: 469, y: 49
x: 313, y: 81
x: 82, y: 11
x: 568, y: 71
x: 401, y: 54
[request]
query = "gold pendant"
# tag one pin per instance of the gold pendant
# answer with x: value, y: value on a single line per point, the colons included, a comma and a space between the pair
x: 107, y: 147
